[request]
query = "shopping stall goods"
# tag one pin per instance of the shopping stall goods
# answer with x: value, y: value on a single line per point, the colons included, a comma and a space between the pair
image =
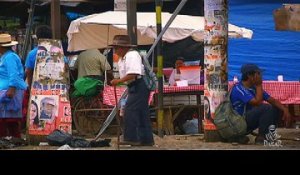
x: 49, y: 104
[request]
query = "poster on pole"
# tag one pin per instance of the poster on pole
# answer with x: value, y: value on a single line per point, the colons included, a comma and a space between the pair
x: 49, y: 105
x: 215, y: 58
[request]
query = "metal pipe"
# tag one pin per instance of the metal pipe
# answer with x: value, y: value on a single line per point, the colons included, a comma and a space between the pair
x: 175, y: 13
x: 160, y: 111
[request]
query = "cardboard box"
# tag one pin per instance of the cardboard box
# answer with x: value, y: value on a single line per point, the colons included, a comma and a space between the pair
x: 191, y: 74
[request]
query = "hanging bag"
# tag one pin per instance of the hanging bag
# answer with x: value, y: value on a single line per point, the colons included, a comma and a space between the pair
x: 228, y: 122
x: 150, y: 78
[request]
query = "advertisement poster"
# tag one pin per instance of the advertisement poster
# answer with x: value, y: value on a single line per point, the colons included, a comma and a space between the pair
x: 215, y: 58
x: 49, y: 106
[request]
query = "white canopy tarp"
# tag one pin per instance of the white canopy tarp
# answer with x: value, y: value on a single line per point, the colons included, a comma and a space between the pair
x: 98, y: 30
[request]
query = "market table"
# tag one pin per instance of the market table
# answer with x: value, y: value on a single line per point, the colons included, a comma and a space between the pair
x: 109, y: 97
x: 287, y: 92
x: 173, y: 108
x: 171, y: 111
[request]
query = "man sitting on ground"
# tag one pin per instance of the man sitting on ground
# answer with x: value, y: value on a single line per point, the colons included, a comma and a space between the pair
x: 250, y: 92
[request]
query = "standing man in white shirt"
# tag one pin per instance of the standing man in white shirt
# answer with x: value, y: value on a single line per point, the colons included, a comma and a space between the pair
x: 137, y: 124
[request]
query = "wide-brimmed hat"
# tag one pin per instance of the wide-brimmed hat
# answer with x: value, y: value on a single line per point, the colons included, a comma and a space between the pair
x: 6, y: 41
x: 122, y: 41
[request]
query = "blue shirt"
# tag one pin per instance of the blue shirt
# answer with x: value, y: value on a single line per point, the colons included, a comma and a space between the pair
x: 240, y: 96
x: 30, y: 59
x: 11, y: 71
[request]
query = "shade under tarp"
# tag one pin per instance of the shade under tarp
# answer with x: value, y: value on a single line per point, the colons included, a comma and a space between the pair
x: 98, y: 30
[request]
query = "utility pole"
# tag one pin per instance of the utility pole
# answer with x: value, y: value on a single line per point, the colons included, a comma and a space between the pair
x: 160, y: 115
x: 131, y: 21
x: 28, y: 30
x: 215, y: 61
x: 55, y: 19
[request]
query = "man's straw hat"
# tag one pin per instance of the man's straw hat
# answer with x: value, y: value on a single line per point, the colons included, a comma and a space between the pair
x: 122, y: 41
x: 6, y: 41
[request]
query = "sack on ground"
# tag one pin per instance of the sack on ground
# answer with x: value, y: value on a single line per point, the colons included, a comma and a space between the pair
x: 59, y: 138
x: 228, y: 122
x: 191, y: 126
x: 77, y: 142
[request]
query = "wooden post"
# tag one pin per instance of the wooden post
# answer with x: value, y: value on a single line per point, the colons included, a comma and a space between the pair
x: 160, y: 116
x: 26, y: 44
x: 215, y: 61
x: 55, y: 19
x: 131, y: 21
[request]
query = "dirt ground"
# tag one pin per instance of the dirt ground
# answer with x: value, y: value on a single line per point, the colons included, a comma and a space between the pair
x: 290, y: 140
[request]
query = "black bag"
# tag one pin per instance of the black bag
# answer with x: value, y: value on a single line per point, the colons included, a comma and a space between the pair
x: 59, y: 138
x: 79, y: 143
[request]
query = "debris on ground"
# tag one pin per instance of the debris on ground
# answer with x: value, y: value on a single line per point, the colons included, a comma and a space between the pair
x: 11, y: 142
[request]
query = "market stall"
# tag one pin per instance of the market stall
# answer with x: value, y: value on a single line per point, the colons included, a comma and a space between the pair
x: 98, y: 30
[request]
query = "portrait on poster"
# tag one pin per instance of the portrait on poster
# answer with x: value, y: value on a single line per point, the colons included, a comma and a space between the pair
x: 49, y: 108
x: 43, y: 111
x: 46, y: 107
x: 34, y: 114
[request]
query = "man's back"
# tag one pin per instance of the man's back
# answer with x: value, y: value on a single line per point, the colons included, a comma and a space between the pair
x: 91, y: 62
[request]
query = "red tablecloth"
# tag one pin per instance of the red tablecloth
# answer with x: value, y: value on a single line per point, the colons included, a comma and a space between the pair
x: 175, y: 89
x: 109, y: 96
x: 287, y: 92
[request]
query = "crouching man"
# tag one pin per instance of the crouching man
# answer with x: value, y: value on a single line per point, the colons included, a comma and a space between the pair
x: 259, y: 115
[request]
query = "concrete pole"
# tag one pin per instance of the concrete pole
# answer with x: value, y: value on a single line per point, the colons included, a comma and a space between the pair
x: 131, y: 21
x: 160, y: 115
x: 215, y: 61
x: 55, y: 19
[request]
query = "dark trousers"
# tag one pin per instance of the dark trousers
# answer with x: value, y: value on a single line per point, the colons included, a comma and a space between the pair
x: 137, y: 124
x: 262, y: 117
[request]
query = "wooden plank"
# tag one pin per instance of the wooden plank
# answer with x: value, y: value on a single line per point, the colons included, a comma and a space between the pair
x: 55, y: 19
x: 132, y: 21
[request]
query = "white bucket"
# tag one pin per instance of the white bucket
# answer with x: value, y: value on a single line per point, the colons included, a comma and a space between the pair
x: 280, y: 78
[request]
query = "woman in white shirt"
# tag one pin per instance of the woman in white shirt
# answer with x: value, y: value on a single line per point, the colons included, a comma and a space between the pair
x: 175, y: 76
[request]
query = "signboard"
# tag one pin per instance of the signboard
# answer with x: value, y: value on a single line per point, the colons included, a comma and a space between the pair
x: 215, y: 58
x: 49, y: 105
x: 120, y: 5
x: 287, y: 17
